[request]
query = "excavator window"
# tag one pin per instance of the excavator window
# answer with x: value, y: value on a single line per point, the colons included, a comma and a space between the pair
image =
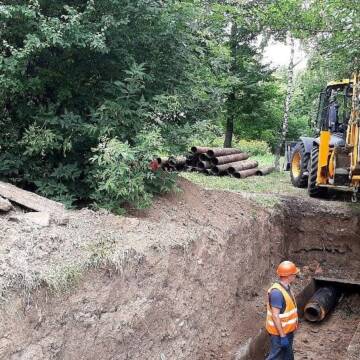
x: 334, y: 108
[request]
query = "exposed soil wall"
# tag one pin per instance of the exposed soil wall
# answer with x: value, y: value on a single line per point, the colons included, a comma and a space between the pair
x: 191, y: 284
x: 324, y: 235
x: 192, y: 300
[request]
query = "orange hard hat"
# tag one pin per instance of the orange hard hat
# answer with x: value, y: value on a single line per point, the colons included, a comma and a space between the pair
x: 287, y: 268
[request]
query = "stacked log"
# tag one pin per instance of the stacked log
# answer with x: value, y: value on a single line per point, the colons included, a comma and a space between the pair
x: 215, y: 161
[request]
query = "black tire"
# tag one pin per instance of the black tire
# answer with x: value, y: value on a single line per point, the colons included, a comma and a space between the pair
x: 299, y: 176
x: 313, y: 189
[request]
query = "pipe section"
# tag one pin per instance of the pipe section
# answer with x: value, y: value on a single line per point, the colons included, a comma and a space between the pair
x: 180, y: 160
x: 244, y: 174
x: 265, y: 170
x: 199, y: 149
x: 218, y: 162
x: 229, y: 158
x: 204, y: 157
x: 222, y: 151
x: 242, y: 165
x: 204, y: 164
x: 234, y: 166
x: 321, y: 303
x: 162, y: 161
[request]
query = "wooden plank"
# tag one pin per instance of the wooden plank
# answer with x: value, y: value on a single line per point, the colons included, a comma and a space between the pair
x: 338, y: 281
x: 353, y: 351
x: 5, y: 205
x: 29, y: 200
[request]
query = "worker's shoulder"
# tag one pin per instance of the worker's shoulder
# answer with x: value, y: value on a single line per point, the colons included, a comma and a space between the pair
x: 276, y: 294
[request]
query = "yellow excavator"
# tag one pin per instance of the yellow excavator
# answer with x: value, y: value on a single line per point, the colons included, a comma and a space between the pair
x: 331, y: 160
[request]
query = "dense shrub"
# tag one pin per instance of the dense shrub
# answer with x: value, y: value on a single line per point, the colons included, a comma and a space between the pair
x: 83, y: 75
x: 121, y: 174
x: 180, y: 138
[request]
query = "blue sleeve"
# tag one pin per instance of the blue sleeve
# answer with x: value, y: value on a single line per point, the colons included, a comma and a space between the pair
x: 277, y: 299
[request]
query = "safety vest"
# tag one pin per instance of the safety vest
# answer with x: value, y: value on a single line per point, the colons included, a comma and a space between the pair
x: 289, y: 319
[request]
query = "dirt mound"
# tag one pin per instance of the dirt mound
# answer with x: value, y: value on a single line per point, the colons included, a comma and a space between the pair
x: 193, y: 204
x: 32, y: 255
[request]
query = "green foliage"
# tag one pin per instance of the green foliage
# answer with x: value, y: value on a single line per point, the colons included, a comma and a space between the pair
x: 337, y: 46
x: 74, y: 74
x: 253, y: 147
x: 121, y: 173
x: 259, y: 113
x: 180, y: 138
x: 266, y: 159
x: 38, y: 142
x: 82, y: 75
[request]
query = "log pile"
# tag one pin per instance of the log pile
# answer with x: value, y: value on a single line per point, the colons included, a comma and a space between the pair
x: 215, y: 161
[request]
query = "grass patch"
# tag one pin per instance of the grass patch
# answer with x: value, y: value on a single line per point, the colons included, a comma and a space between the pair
x: 103, y: 253
x: 265, y: 200
x: 62, y: 277
x: 275, y: 183
x: 265, y: 160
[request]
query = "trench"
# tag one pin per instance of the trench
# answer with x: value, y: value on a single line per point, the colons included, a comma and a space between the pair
x: 336, y: 337
x: 321, y: 243
x: 200, y: 300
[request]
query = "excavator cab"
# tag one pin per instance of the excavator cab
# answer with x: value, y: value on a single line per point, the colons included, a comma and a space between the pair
x: 335, y: 107
x: 331, y: 160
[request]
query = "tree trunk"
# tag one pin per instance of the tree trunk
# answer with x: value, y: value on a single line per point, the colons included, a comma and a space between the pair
x: 230, y: 113
x: 289, y: 93
x: 229, y: 122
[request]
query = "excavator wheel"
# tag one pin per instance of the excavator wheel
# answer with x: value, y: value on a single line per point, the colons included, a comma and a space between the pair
x: 299, y: 166
x: 313, y: 189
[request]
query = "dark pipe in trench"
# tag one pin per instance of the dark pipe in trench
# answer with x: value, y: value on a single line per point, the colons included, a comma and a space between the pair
x: 321, y: 303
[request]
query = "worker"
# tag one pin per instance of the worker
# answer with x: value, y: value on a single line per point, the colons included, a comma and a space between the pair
x: 282, y: 316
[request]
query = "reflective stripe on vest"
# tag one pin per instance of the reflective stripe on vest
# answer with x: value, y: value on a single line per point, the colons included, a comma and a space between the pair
x: 289, y: 319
